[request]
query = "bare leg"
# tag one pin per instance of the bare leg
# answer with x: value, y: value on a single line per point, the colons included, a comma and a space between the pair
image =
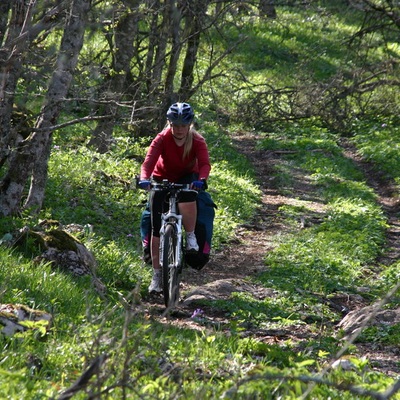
x: 155, y: 252
x: 189, y: 215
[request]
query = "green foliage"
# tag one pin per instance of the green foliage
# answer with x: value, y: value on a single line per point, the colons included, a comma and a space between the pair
x: 310, y: 61
x: 97, y: 190
x: 390, y: 276
x: 326, y: 251
x: 381, y: 335
x: 231, y: 183
x: 40, y: 287
x: 297, y: 44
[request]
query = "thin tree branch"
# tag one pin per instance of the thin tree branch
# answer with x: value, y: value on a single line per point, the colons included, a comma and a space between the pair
x: 73, y: 122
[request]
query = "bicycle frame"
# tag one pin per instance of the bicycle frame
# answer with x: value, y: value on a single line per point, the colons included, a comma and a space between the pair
x: 171, y: 249
x: 172, y: 217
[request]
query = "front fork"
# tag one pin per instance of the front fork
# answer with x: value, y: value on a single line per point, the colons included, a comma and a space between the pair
x: 167, y: 219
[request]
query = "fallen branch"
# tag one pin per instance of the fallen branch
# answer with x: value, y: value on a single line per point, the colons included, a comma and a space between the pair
x: 83, y: 380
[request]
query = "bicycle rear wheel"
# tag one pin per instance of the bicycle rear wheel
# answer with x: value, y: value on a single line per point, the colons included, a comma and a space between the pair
x: 170, y: 268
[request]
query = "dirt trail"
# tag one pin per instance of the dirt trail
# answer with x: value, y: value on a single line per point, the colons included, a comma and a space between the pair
x: 244, y: 256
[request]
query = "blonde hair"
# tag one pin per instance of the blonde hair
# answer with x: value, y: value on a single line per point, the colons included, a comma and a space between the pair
x: 189, y: 142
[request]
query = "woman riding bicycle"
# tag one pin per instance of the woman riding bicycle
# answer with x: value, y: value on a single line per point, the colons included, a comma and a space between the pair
x: 180, y: 155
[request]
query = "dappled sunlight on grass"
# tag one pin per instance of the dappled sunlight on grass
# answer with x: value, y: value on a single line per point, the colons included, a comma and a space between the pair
x: 332, y: 255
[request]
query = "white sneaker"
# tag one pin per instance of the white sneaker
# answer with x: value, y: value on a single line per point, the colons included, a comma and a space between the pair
x: 191, y: 242
x: 156, y: 282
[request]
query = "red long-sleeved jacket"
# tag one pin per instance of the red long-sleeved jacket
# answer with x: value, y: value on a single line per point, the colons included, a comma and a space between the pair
x: 164, y: 158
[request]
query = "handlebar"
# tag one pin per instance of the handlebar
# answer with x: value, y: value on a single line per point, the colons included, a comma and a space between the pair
x: 166, y: 185
x: 169, y: 186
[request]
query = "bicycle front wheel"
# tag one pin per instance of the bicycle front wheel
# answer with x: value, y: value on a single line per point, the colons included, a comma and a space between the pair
x: 170, y: 267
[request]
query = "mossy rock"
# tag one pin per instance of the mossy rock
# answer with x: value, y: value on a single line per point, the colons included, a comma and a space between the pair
x: 64, y: 251
x: 61, y: 240
x: 53, y: 237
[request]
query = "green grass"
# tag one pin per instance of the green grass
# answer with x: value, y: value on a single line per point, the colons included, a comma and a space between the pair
x: 153, y: 359
x: 378, y: 141
x: 165, y: 361
x: 41, y: 287
x: 335, y: 254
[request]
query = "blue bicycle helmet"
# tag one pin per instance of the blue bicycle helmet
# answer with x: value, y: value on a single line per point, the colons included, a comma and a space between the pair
x: 180, y: 114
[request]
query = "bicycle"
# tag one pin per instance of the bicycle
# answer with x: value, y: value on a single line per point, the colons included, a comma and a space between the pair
x: 171, y: 245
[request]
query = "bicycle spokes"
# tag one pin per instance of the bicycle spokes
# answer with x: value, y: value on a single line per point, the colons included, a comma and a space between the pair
x: 170, y: 267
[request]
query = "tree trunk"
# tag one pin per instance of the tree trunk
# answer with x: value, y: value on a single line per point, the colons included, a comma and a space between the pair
x: 194, y: 21
x: 151, y: 49
x: 169, y: 29
x: 10, y: 70
x: 5, y: 7
x: 33, y: 153
x: 118, y: 81
x: 35, y: 197
x: 70, y: 47
x: 175, y: 20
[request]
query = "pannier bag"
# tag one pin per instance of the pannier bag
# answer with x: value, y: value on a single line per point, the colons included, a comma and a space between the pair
x: 204, y: 232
